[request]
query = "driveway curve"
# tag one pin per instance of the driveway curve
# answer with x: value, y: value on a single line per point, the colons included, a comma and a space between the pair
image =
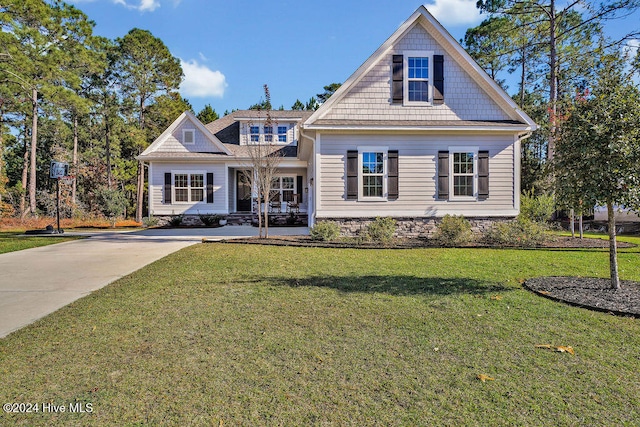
x: 36, y: 282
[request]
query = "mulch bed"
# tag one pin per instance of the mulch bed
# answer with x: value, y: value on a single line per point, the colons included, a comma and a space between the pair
x: 557, y: 242
x: 590, y: 292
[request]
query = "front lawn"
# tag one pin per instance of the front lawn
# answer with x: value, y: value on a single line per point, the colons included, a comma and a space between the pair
x: 226, y: 334
x: 12, y: 241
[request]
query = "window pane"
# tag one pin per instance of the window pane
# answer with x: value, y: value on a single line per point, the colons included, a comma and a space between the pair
x: 287, y: 182
x: 372, y: 186
x: 197, y: 180
x: 418, y: 68
x: 463, y: 185
x: 255, y: 133
x: 275, y: 183
x: 182, y: 195
x: 197, y: 195
x: 282, y: 133
x: 180, y: 180
x: 372, y: 162
x: 419, y: 91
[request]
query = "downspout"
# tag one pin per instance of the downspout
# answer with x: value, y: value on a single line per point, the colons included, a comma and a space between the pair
x: 518, y: 172
x: 311, y: 180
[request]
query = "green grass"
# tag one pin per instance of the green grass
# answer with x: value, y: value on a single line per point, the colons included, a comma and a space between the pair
x: 253, y: 335
x: 12, y: 241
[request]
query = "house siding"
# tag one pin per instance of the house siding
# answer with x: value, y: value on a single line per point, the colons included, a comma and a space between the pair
x: 156, y: 183
x: 174, y: 144
x: 370, y: 98
x: 417, y: 163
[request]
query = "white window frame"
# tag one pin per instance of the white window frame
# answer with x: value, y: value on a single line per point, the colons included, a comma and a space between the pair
x: 188, y: 187
x: 252, y: 134
x: 268, y: 137
x: 285, y: 134
x: 280, y: 189
x: 405, y: 83
x: 185, y: 132
x: 452, y: 174
x: 385, y: 174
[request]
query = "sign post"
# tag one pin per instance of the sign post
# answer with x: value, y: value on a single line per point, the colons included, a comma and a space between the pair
x: 56, y: 171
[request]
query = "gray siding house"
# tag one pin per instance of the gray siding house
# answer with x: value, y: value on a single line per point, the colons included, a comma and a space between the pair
x: 417, y: 132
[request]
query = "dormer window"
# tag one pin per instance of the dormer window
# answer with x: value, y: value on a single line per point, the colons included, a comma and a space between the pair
x: 255, y: 133
x: 418, y: 78
x: 282, y: 134
x: 188, y: 137
x: 268, y: 133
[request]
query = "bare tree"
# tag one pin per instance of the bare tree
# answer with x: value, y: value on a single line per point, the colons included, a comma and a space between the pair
x: 264, y: 158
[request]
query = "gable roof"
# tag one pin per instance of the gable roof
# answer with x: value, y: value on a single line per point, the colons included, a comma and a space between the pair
x: 519, y: 119
x: 187, y: 115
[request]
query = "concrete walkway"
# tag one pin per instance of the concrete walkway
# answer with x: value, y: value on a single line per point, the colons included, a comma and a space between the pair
x: 36, y: 282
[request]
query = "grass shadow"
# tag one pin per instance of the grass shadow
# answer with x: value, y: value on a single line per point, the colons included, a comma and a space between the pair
x: 395, y: 285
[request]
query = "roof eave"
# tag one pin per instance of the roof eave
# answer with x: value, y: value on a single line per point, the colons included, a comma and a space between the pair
x: 510, y: 129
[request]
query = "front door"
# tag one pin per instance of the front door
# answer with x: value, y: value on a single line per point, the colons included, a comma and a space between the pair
x: 243, y: 193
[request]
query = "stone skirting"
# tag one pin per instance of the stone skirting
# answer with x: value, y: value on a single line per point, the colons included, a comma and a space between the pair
x: 411, y: 227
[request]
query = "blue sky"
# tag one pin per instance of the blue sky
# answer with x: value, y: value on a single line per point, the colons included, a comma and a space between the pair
x: 230, y: 48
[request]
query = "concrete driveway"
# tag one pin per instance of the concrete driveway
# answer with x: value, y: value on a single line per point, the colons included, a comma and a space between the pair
x: 36, y: 282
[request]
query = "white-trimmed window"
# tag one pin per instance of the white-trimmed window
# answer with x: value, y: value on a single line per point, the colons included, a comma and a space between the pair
x: 188, y: 136
x: 268, y: 133
x: 254, y: 132
x: 283, y: 187
x: 282, y: 133
x: 188, y: 187
x: 418, y: 76
x: 372, y: 170
x: 463, y: 179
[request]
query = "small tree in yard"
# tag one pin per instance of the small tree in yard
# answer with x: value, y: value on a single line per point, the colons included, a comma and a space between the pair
x: 113, y: 202
x: 598, y: 151
x: 264, y: 158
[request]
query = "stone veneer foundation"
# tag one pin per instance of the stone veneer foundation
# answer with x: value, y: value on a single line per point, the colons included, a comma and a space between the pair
x: 411, y: 227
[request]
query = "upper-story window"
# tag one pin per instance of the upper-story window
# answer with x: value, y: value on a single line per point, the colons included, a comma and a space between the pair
x: 255, y: 133
x: 188, y: 136
x: 418, y: 78
x: 268, y: 133
x: 282, y: 134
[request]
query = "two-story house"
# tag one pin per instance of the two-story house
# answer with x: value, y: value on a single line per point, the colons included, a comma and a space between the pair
x: 417, y: 132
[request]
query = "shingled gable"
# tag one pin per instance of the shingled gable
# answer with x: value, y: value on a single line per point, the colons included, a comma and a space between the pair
x: 517, y: 119
x: 157, y: 146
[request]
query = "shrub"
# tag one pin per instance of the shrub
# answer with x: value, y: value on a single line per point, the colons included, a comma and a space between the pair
x: 150, y: 221
x: 453, y: 230
x: 381, y: 229
x: 536, y: 208
x: 325, y: 231
x: 521, y: 232
x: 176, y: 220
x: 210, y: 220
x: 112, y: 203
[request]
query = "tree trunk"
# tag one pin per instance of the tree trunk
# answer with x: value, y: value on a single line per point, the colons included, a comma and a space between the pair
x: 107, y: 148
x: 75, y: 159
x: 572, y: 223
x: 613, y: 250
x: 25, y: 174
x: 266, y: 213
x: 553, y: 78
x: 34, y: 140
x: 580, y: 226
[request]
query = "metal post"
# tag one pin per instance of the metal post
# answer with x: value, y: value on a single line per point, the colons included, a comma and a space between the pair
x: 58, y: 202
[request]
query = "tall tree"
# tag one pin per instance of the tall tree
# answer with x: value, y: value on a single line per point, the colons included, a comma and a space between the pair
x: 554, y: 16
x: 41, y: 39
x: 146, y: 69
x: 598, y: 149
x: 297, y: 106
x: 208, y: 114
x: 328, y: 91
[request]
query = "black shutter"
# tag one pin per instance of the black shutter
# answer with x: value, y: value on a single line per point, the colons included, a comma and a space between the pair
x: 167, y: 188
x: 438, y: 79
x: 299, y: 185
x: 443, y: 174
x: 483, y: 174
x: 397, y: 91
x: 209, y: 187
x: 352, y: 175
x: 392, y: 182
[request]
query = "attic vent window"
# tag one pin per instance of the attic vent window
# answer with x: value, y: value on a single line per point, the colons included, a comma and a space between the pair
x: 188, y: 136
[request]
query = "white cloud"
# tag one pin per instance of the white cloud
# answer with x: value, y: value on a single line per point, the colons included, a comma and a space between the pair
x: 200, y: 81
x: 144, y: 6
x: 632, y: 48
x: 455, y: 12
